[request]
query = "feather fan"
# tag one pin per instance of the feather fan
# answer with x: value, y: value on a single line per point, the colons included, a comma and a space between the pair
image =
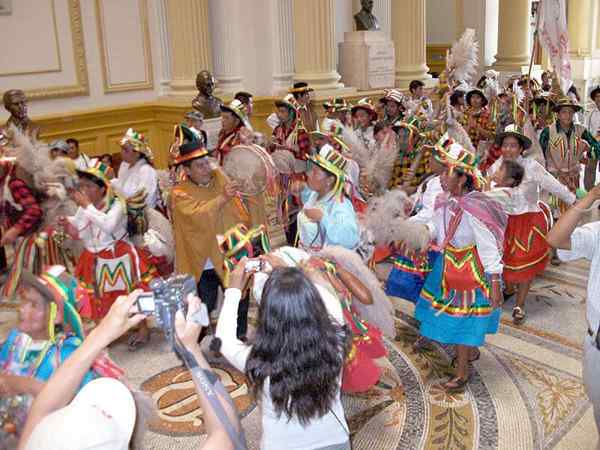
x: 462, y: 59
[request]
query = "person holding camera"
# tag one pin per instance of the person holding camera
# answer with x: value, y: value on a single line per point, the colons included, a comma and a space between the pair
x: 294, y: 366
x: 576, y: 242
x: 104, y: 415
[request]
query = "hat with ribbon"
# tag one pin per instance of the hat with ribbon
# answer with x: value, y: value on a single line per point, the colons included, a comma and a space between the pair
x: 100, y: 171
x: 516, y: 132
x: 290, y: 103
x: 300, y: 88
x: 455, y: 156
x: 567, y: 102
x: 138, y: 142
x: 366, y: 105
x: 239, y: 242
x: 337, y: 104
x: 333, y: 162
x: 60, y: 145
x: 186, y: 145
x: 394, y: 95
x: 238, y: 109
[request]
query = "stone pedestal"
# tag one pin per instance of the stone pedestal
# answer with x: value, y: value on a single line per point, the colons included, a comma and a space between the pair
x: 212, y: 128
x: 367, y: 60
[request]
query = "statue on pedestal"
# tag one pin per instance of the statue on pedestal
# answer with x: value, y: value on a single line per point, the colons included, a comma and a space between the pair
x: 15, y: 103
x: 205, y: 102
x: 365, y: 20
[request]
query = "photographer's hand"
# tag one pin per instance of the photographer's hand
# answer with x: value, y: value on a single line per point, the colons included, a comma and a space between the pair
x: 187, y: 330
x: 239, y: 276
x: 122, y: 316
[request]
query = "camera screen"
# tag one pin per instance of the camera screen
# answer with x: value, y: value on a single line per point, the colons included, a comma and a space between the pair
x: 145, y: 303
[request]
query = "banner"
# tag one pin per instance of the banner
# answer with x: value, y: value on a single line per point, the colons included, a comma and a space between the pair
x: 554, y: 37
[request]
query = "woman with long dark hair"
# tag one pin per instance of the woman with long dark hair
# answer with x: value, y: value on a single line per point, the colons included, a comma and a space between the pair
x: 295, y: 363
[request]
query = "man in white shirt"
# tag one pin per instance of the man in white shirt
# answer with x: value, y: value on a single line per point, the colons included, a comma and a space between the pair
x: 573, y: 243
x: 592, y: 123
x: 82, y: 161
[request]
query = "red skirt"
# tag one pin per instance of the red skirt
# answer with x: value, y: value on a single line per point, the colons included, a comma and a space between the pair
x: 526, y: 251
x: 110, y: 273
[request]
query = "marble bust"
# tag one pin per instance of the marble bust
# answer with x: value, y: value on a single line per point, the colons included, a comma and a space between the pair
x: 365, y: 20
x: 205, y: 102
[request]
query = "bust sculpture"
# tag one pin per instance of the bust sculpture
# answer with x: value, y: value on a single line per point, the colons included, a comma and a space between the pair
x: 205, y: 102
x: 15, y: 103
x: 365, y: 20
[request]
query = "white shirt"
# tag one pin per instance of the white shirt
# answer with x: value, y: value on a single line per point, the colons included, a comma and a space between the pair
x: 134, y: 178
x: 99, y: 230
x: 469, y: 231
x: 83, y: 161
x: 525, y: 197
x: 419, y: 106
x: 425, y: 200
x: 585, y: 243
x: 592, y: 120
x: 328, y: 430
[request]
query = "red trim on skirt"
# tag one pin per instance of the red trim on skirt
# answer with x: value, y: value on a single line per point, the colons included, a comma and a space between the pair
x: 526, y: 251
x: 102, y: 301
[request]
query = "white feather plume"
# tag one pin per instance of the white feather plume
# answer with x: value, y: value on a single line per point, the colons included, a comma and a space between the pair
x: 463, y: 59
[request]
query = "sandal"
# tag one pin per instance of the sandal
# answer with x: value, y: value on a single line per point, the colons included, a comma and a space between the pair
x: 135, y: 342
x: 518, y: 315
x: 471, y: 359
x: 455, y: 385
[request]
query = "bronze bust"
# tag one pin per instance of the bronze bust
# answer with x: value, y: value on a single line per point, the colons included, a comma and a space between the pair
x: 365, y: 20
x: 205, y: 102
x: 15, y: 103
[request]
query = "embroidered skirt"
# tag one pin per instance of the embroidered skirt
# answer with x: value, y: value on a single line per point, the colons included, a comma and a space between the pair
x: 453, y: 307
x: 112, y: 272
x: 526, y: 251
x: 408, y: 274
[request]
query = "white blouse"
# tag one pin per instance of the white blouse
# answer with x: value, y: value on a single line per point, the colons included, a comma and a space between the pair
x: 470, y: 231
x: 132, y: 179
x: 277, y: 431
x: 100, y: 230
x: 525, y: 197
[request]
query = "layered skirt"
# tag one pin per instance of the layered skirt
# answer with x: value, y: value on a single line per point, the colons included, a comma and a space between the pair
x: 454, y: 306
x: 526, y: 251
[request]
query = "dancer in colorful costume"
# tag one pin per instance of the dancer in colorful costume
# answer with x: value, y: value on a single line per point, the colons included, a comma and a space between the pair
x: 110, y: 265
x: 306, y: 111
x: 364, y: 116
x: 338, y: 273
x: 327, y: 217
x: 49, y: 331
x: 460, y: 299
x: 235, y: 128
x: 290, y: 134
x: 526, y: 251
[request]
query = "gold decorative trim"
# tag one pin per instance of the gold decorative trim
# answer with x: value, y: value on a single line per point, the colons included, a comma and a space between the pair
x: 32, y: 72
x: 148, y: 83
x: 82, y: 85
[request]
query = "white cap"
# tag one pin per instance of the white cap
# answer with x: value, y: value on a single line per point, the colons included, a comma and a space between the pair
x: 100, y: 417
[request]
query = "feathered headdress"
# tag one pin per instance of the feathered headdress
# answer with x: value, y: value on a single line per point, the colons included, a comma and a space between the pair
x: 462, y: 58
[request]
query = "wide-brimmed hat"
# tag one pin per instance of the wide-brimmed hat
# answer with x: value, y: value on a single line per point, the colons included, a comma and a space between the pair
x: 194, y: 115
x: 516, y: 132
x: 300, y: 88
x: 337, y: 104
x: 186, y: 145
x: 455, y: 156
x: 238, y: 109
x: 473, y: 92
x: 394, y: 95
x: 366, y: 105
x: 288, y: 102
x: 331, y: 160
x: 100, y: 171
x: 567, y: 102
x: 138, y: 142
x: 314, y: 135
x: 594, y: 91
x: 101, y: 416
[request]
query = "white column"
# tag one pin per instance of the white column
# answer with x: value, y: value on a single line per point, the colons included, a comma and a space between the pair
x: 225, y: 30
x: 165, y: 52
x: 190, y: 43
x: 282, y: 45
x: 513, y: 36
x: 314, y: 44
x: 409, y: 36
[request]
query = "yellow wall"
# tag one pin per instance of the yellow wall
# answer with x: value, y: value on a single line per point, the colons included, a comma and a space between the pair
x: 99, y: 130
